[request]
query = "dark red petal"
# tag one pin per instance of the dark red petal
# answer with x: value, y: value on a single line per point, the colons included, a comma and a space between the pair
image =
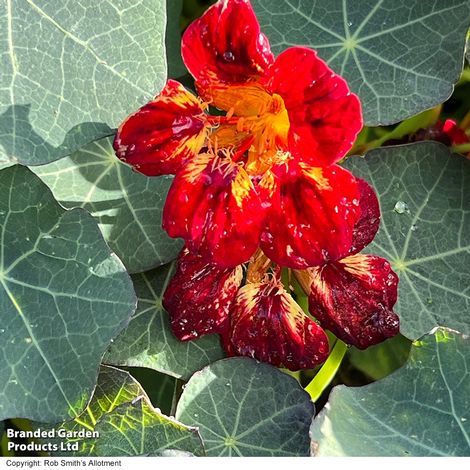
x: 266, y: 323
x: 213, y: 205
x: 199, y: 296
x: 162, y: 134
x: 368, y: 224
x: 226, y: 45
x: 312, y: 215
x: 325, y: 117
x: 354, y: 298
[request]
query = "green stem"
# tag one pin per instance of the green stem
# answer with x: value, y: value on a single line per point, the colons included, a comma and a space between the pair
x: 302, y: 300
x: 462, y: 148
x: 285, y: 278
x: 327, y: 372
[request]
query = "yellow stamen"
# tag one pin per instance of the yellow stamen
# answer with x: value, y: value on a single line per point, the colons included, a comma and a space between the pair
x: 252, y: 113
x: 258, y: 267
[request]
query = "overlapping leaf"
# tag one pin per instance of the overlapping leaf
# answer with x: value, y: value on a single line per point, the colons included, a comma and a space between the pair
x: 419, y: 410
x: 246, y: 408
x: 148, y: 340
x: 138, y: 429
x: 127, y: 424
x: 127, y: 205
x: 162, y: 389
x: 73, y: 70
x: 425, y: 231
x: 63, y: 296
x: 176, y: 67
x: 400, y: 56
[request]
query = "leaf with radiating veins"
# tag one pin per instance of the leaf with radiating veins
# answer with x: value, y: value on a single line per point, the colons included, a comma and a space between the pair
x: 126, y: 422
x: 127, y: 205
x: 137, y: 428
x: 400, y: 56
x: 246, y: 408
x: 425, y: 231
x: 63, y: 297
x: 148, y: 340
x: 73, y: 70
x: 422, y: 409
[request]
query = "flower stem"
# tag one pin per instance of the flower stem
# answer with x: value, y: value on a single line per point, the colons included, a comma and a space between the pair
x: 302, y: 300
x: 327, y: 372
x: 462, y: 148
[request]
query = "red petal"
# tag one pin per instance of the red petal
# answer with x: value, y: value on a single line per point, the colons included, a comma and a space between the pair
x: 162, y: 134
x: 226, y: 45
x: 312, y: 216
x: 368, y: 224
x: 354, y: 298
x: 325, y: 117
x: 267, y: 324
x: 213, y: 205
x: 199, y: 296
x: 456, y: 134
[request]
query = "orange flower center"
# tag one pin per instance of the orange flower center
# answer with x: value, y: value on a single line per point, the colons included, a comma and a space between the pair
x: 256, y: 121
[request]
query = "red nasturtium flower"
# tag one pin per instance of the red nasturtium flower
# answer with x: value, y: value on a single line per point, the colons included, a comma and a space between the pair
x: 264, y: 172
x: 353, y: 297
x: 260, y: 185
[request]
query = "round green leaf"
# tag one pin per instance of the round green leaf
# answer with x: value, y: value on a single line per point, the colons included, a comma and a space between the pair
x: 73, y: 70
x: 114, y: 387
x: 127, y: 205
x: 424, y: 232
x: 126, y: 422
x: 137, y: 428
x: 148, y: 340
x: 246, y: 408
x: 63, y: 296
x: 400, y: 56
x: 419, y: 410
